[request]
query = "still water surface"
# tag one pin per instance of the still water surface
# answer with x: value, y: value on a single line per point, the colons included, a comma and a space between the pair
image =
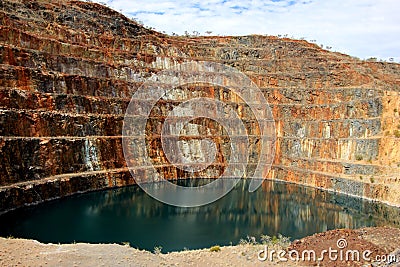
x: 129, y: 215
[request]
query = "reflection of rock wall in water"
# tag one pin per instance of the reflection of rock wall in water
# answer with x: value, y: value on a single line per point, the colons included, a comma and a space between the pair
x: 275, y: 208
x: 67, y: 75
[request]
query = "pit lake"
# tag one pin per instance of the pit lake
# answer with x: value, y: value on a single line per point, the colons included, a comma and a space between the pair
x: 129, y: 215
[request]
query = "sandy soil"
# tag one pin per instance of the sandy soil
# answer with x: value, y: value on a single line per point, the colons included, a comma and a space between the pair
x: 380, y: 241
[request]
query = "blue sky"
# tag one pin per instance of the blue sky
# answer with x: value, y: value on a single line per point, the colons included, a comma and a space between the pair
x: 362, y: 28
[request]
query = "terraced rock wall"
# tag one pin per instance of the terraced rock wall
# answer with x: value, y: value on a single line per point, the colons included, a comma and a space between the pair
x: 68, y: 70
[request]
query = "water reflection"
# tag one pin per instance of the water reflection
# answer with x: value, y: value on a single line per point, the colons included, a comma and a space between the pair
x: 128, y: 214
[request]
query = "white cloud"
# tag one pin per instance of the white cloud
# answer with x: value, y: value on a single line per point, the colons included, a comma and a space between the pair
x: 363, y: 28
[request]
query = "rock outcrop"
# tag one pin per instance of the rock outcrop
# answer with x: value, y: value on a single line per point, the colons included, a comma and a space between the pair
x: 68, y: 70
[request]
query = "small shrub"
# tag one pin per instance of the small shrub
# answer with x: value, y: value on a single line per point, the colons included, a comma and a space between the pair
x: 359, y: 157
x: 242, y: 242
x: 395, y: 110
x: 126, y: 244
x: 250, y: 240
x: 157, y: 250
x: 397, y: 134
x: 372, y: 180
x: 361, y: 177
x: 265, y: 239
x: 387, y: 133
x: 283, y: 240
x: 215, y: 249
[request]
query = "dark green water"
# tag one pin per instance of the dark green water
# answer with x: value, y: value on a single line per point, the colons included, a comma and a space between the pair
x: 130, y: 215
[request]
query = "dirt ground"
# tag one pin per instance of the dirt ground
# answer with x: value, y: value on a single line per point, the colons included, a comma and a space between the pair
x: 372, y: 241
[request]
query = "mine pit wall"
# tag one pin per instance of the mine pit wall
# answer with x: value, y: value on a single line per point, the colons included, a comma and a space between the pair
x: 340, y: 147
x: 66, y: 78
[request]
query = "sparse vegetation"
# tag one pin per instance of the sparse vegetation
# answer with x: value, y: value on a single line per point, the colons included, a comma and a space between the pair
x: 359, y: 157
x: 282, y: 240
x: 157, y: 250
x: 397, y: 133
x: 266, y: 240
x: 250, y: 240
x: 126, y: 243
x: 215, y: 249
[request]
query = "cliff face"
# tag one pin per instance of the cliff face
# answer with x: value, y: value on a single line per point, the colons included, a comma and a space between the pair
x: 68, y: 70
